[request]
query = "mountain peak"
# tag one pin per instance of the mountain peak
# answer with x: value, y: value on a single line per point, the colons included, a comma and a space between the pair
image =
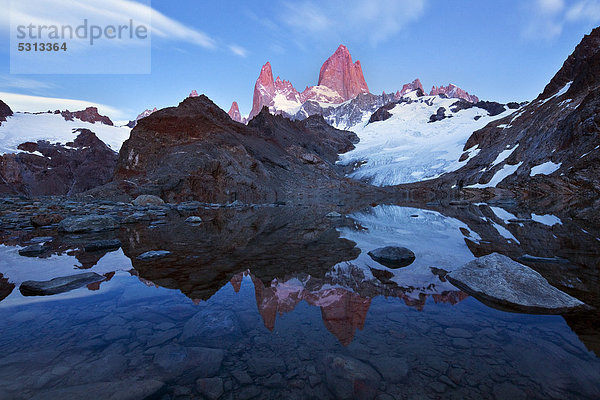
x: 453, y: 91
x: 264, y: 89
x: 234, y: 112
x: 340, y: 74
x: 409, y: 87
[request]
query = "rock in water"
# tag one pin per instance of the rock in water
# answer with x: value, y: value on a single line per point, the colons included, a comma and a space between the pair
x: 211, y: 388
x: 153, y: 254
x: 32, y: 251
x: 58, y: 285
x: 499, y: 281
x: 147, y: 200
x: 392, y: 256
x: 349, y: 379
x: 193, y: 220
x: 103, y: 245
x: 45, y: 219
x: 89, y: 223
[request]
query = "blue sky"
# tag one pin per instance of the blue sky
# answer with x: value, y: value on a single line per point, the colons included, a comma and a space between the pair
x: 499, y: 50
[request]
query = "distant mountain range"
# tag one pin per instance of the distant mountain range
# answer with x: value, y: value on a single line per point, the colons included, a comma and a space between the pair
x: 340, y: 80
x: 304, y: 145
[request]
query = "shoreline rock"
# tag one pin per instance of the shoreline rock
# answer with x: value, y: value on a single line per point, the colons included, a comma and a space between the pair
x: 500, y: 282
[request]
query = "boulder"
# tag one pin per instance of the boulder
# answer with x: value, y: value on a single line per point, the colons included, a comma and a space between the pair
x: 58, y: 285
x: 506, y: 284
x: 193, y: 220
x: 45, y: 219
x: 392, y: 256
x: 88, y: 223
x: 199, y: 361
x: 211, y: 388
x: 212, y: 327
x: 145, y: 200
x: 348, y: 378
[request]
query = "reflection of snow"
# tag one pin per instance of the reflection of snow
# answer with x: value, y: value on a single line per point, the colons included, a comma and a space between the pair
x: 435, y: 239
x: 505, y: 233
x: 548, y: 220
x: 503, y: 214
x: 18, y: 269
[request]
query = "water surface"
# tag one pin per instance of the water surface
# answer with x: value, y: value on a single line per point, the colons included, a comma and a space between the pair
x: 285, y: 303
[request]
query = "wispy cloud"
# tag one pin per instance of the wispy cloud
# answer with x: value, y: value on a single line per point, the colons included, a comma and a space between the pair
x: 375, y: 20
x: 238, y: 51
x: 15, y: 82
x: 22, y: 102
x: 546, y: 19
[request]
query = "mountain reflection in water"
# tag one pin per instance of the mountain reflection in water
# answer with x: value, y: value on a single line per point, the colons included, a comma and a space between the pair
x: 258, y: 280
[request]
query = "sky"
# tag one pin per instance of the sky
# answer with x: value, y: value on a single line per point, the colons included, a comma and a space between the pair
x: 499, y: 50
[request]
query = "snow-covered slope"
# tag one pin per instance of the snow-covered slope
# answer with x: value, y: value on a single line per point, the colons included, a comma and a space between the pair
x: 23, y: 127
x: 407, y: 147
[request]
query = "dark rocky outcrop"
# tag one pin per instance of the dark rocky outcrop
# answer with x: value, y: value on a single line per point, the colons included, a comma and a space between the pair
x: 439, y: 115
x: 382, y: 113
x: 90, y: 114
x: 43, y: 168
x: 5, y: 111
x: 196, y: 152
x: 492, y: 107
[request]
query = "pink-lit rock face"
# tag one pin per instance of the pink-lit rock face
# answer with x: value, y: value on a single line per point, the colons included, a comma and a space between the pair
x: 409, y: 87
x: 453, y: 91
x: 234, y: 112
x: 145, y: 113
x: 339, y: 80
x: 264, y: 90
x: 340, y: 74
x: 193, y: 94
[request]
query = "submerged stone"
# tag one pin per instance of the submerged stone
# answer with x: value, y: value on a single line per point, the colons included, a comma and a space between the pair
x: 149, y: 255
x: 58, y: 285
x: 393, y: 256
x: 348, y: 378
x: 499, y: 281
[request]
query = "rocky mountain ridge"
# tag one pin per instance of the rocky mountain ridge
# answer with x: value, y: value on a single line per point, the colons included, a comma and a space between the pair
x: 340, y: 80
x: 43, y: 168
x: 195, y: 151
x: 550, y: 146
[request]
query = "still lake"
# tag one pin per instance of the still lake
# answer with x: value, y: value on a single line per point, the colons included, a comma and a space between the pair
x: 283, y: 302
